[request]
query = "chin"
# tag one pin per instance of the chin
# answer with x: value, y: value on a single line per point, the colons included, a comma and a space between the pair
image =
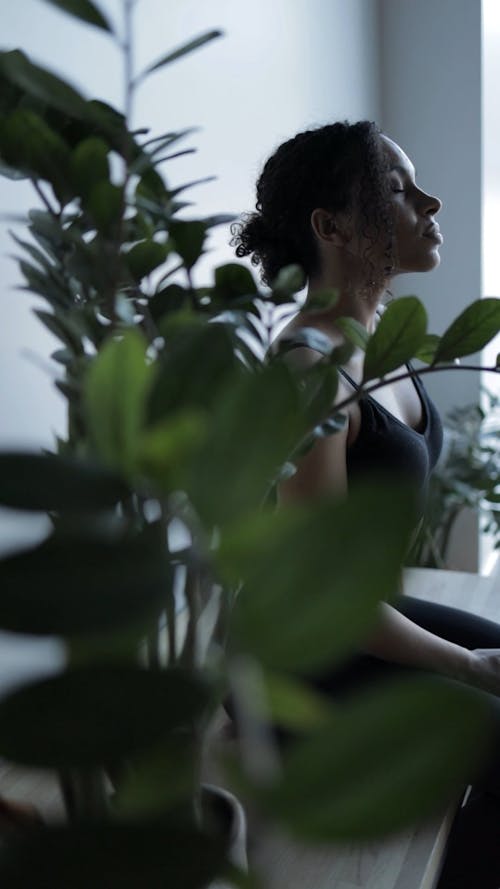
x: 433, y: 261
x: 421, y: 263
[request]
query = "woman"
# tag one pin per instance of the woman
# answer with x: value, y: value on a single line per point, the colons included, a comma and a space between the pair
x: 342, y: 202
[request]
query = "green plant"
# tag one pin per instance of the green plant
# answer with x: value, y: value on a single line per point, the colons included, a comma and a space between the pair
x: 181, y: 420
x: 467, y: 475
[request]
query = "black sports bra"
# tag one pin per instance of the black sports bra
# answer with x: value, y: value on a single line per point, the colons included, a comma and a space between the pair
x: 386, y: 445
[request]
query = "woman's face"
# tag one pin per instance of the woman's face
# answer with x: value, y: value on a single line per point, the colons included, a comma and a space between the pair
x: 415, y: 249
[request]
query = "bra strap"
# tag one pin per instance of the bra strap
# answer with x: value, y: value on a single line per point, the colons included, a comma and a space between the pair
x: 345, y: 374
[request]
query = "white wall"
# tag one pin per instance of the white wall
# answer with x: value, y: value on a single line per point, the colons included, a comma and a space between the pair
x: 431, y: 105
x: 280, y: 67
x: 491, y: 200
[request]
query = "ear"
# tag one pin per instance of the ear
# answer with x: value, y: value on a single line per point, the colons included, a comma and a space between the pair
x: 328, y: 228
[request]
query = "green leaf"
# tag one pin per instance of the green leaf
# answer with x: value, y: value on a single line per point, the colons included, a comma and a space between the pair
x: 304, y: 562
x: 471, y: 331
x: 427, y: 351
x: 399, y: 334
x: 179, y: 52
x: 65, y: 328
x: 39, y: 257
x: 308, y: 337
x: 181, y: 188
x: 11, y: 173
x: 28, y: 144
x: 165, y: 448
x: 115, y: 392
x: 146, y: 853
x: 42, y: 84
x: 105, y: 204
x: 72, y: 585
x: 289, y: 280
x: 233, y: 280
x: 168, y: 299
x: 219, y: 219
x: 45, y: 285
x: 62, y: 356
x: 294, y: 704
x: 342, y: 354
x: 355, y: 332
x: 151, y: 185
x: 161, y: 777
x: 39, y: 482
x: 197, y: 360
x: 255, y: 414
x: 96, y: 715
x: 143, y: 258
x: 317, y: 387
x: 320, y: 300
x: 389, y: 758
x: 89, y: 164
x: 188, y: 239
x: 84, y: 10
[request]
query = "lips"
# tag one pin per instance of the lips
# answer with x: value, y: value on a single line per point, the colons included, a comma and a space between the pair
x: 432, y: 231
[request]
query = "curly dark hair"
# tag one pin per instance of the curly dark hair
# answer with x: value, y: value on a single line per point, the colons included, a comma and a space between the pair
x: 323, y: 167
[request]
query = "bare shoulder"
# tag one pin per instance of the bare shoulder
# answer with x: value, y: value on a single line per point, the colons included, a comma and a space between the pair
x: 303, y: 357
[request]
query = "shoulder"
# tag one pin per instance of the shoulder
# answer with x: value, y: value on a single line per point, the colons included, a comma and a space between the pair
x: 302, y: 357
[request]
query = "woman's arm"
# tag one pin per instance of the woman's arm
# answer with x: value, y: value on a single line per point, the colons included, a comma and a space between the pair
x: 398, y: 639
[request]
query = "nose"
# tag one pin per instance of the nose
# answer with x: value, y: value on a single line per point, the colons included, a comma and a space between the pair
x: 432, y: 204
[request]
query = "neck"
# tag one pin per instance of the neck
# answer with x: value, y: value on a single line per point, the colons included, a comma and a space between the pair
x: 355, y: 300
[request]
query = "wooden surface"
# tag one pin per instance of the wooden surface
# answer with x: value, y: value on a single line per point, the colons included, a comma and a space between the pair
x: 410, y: 860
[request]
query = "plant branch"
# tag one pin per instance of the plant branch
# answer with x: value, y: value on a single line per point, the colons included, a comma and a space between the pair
x: 411, y: 374
x: 128, y: 60
x: 45, y: 199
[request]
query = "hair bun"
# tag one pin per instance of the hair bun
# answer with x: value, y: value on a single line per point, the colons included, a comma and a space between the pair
x: 251, y: 235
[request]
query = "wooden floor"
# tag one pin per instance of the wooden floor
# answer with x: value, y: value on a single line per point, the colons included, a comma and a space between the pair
x: 409, y: 861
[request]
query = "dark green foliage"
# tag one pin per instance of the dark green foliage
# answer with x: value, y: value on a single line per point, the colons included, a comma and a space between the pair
x: 399, y: 334
x: 281, y: 558
x: 471, y: 331
x: 28, y: 143
x: 336, y: 786
x: 37, y: 482
x: 113, y: 856
x: 84, y: 10
x: 467, y: 475
x: 182, y: 421
x: 78, y: 583
x: 97, y: 714
x: 181, y: 51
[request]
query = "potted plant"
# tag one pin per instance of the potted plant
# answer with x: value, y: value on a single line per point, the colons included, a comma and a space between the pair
x: 168, y: 572
x: 466, y: 476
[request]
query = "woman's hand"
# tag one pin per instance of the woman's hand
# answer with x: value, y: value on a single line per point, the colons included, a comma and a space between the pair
x: 484, y: 669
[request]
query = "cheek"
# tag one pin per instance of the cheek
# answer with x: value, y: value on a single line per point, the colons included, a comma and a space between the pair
x: 411, y: 251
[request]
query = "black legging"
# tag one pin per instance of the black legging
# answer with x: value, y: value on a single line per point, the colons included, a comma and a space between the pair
x: 473, y: 855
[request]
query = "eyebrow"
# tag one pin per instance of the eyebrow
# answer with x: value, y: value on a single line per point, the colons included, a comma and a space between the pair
x: 403, y: 170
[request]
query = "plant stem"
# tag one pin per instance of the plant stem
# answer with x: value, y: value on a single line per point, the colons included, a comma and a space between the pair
x: 128, y: 60
x: 45, y: 200
x: 84, y: 794
x: 189, y: 651
x: 192, y: 291
x: 411, y: 374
